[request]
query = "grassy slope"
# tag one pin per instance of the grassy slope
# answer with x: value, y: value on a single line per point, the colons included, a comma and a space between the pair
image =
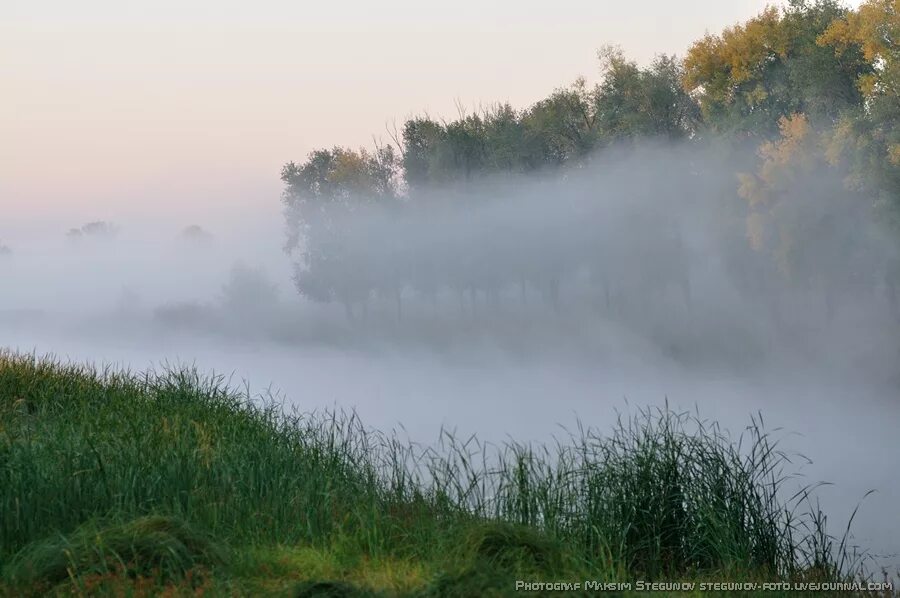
x: 169, y: 483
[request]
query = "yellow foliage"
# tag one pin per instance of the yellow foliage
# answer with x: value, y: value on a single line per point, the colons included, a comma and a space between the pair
x: 837, y: 141
x: 894, y: 154
x: 350, y: 169
x: 756, y: 227
x: 748, y: 46
x: 703, y: 62
x: 757, y: 95
x: 793, y: 152
x: 875, y: 29
x: 716, y: 63
x: 752, y: 189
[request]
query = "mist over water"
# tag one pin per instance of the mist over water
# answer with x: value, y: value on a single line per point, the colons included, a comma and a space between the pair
x: 496, y: 312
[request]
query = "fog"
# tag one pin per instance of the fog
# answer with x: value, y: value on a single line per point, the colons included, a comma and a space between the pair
x: 513, y: 306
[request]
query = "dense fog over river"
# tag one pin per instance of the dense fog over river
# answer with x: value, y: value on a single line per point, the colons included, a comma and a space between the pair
x: 557, y: 337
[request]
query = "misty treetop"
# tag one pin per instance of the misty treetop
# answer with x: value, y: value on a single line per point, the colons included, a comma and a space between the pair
x: 93, y: 230
x: 772, y: 149
x: 196, y: 235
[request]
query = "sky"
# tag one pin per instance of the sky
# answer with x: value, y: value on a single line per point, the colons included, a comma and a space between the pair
x: 114, y: 108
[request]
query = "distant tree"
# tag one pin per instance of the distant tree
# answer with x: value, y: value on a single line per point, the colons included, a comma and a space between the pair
x: 632, y: 102
x: 94, y: 230
x: 560, y: 128
x: 421, y: 137
x: 196, y: 235
x: 803, y: 218
x: 321, y: 198
x: 459, y: 151
x: 504, y: 136
x: 448, y: 153
x: 5, y: 250
x: 129, y: 301
x: 464, y: 149
x: 186, y: 316
x: 248, y: 290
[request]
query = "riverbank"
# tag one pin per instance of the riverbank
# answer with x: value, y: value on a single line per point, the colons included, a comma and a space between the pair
x: 115, y: 482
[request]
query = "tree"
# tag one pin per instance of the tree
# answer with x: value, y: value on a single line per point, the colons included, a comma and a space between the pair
x: 807, y: 94
x: 93, y: 230
x: 321, y: 198
x: 802, y: 218
x: 504, y: 135
x: 770, y: 67
x: 868, y: 138
x: 421, y: 137
x: 248, y: 290
x: 631, y: 102
x: 560, y: 128
x: 196, y: 235
x: 444, y: 153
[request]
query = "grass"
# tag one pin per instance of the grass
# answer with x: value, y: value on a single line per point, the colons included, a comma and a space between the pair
x: 113, y: 483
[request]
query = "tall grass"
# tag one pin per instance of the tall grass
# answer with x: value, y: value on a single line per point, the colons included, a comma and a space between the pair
x: 664, y: 494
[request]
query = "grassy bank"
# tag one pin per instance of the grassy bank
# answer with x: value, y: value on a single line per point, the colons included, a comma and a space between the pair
x: 170, y: 482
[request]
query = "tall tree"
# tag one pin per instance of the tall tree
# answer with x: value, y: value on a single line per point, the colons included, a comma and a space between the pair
x: 770, y: 67
x: 868, y: 139
x: 321, y: 196
x: 631, y: 102
x: 559, y: 128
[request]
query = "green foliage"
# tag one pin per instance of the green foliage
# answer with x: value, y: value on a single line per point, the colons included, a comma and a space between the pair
x: 340, y: 174
x: 559, y: 129
x: 642, y: 103
x: 318, y: 197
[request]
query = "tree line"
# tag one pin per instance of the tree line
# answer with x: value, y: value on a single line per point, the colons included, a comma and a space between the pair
x: 785, y: 128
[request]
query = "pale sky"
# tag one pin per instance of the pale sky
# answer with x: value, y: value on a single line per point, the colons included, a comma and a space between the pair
x: 112, y: 106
